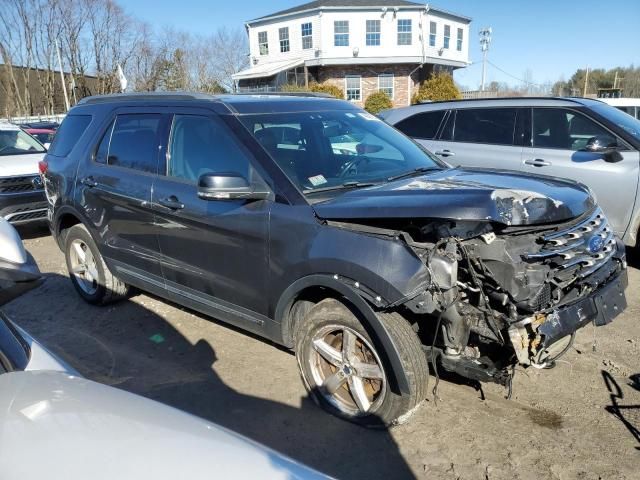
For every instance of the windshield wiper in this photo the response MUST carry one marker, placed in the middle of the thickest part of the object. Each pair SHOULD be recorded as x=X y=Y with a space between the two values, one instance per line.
x=411 y=173
x=342 y=186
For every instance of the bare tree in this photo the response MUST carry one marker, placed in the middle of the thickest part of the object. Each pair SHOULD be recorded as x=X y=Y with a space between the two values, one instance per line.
x=230 y=55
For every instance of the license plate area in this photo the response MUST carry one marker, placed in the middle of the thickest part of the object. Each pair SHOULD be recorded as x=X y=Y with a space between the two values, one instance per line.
x=611 y=301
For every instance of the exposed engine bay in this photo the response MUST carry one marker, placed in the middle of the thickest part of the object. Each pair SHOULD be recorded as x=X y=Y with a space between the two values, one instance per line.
x=498 y=295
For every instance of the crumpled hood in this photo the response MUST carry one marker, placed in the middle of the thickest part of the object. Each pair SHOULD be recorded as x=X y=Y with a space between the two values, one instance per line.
x=18 y=165
x=500 y=196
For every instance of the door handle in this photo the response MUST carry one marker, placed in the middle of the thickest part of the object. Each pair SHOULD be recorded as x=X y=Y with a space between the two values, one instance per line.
x=537 y=162
x=445 y=153
x=171 y=202
x=89 y=182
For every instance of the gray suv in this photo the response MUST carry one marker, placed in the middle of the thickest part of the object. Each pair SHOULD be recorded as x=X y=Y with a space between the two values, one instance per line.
x=577 y=138
x=316 y=225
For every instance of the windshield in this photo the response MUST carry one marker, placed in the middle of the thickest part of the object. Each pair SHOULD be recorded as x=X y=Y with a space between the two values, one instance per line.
x=321 y=150
x=620 y=118
x=17 y=142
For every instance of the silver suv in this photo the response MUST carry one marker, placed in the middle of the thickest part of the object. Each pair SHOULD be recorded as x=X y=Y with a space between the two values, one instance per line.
x=577 y=138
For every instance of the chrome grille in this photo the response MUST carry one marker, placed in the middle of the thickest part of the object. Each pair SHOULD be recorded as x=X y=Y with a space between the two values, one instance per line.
x=17 y=184
x=580 y=249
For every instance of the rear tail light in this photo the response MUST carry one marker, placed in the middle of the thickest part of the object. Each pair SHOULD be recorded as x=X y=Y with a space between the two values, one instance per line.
x=43 y=166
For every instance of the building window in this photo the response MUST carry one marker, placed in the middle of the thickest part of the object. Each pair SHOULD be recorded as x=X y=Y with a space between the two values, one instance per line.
x=404 y=32
x=447 y=36
x=433 y=30
x=341 y=33
x=352 y=87
x=459 y=45
x=307 y=36
x=284 y=39
x=385 y=84
x=373 y=33
x=263 y=43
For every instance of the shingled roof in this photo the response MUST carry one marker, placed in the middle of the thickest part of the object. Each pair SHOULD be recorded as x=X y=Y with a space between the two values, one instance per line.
x=351 y=3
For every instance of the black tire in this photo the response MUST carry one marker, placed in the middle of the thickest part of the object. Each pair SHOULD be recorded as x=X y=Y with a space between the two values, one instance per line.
x=390 y=408
x=108 y=288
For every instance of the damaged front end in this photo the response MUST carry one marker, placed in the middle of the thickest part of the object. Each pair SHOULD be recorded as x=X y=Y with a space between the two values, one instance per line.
x=499 y=295
x=517 y=295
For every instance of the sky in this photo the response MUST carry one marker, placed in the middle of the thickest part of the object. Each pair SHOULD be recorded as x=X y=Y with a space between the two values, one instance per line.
x=551 y=38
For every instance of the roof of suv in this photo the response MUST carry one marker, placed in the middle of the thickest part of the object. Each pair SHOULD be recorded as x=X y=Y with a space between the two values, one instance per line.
x=499 y=102
x=240 y=104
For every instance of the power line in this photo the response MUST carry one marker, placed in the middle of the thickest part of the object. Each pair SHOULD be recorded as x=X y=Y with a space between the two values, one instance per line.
x=513 y=76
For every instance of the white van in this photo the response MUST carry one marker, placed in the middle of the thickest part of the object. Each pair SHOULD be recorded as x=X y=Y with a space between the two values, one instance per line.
x=627 y=105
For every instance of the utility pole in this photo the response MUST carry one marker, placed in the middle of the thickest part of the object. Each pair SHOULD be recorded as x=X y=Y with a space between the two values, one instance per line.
x=485 y=40
x=64 y=85
x=586 y=82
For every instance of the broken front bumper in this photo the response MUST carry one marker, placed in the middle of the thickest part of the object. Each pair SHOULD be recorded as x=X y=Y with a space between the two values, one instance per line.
x=539 y=337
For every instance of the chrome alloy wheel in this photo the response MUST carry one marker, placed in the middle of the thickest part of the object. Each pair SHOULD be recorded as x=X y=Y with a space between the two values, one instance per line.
x=83 y=266
x=347 y=370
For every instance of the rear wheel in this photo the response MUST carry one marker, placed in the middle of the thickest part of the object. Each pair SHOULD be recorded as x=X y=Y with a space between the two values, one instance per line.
x=344 y=372
x=89 y=273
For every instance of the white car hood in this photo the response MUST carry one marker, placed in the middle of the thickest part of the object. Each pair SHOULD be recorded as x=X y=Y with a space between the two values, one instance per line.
x=16 y=165
x=55 y=425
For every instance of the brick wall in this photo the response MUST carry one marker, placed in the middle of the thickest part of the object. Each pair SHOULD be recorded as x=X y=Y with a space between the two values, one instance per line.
x=369 y=79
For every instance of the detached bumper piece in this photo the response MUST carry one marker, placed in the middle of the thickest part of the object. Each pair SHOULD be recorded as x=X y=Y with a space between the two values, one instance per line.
x=600 y=308
x=538 y=338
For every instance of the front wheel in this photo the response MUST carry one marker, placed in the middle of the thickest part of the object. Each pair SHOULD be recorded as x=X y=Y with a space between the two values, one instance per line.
x=344 y=373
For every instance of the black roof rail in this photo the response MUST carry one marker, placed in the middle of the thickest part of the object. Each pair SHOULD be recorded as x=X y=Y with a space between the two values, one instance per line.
x=490 y=99
x=144 y=96
x=288 y=94
x=115 y=97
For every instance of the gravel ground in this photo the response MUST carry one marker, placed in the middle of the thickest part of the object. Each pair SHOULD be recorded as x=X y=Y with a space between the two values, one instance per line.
x=561 y=423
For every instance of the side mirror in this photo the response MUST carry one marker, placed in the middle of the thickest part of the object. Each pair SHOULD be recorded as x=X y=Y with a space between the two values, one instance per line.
x=228 y=186
x=604 y=145
x=18 y=270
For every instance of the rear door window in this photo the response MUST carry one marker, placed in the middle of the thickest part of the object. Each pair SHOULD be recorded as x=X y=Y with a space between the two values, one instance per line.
x=72 y=128
x=422 y=125
x=134 y=142
x=494 y=126
x=564 y=129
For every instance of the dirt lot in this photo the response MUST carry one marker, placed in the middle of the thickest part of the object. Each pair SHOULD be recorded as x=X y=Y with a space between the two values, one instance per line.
x=561 y=423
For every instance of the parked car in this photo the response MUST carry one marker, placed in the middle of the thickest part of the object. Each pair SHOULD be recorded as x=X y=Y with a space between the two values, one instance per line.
x=576 y=138
x=627 y=105
x=48 y=411
x=45 y=124
x=367 y=265
x=22 y=198
x=43 y=135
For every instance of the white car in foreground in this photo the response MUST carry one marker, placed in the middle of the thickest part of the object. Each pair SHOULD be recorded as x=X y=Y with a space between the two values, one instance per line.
x=55 y=424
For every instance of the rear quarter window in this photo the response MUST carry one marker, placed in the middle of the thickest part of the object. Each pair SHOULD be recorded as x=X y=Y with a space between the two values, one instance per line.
x=421 y=125
x=494 y=126
x=67 y=136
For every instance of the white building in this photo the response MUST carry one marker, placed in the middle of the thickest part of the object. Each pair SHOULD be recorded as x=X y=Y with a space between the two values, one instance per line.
x=360 y=46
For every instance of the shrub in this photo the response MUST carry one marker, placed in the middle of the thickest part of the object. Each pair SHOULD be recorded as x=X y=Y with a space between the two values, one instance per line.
x=439 y=87
x=376 y=102
x=327 y=88
x=292 y=87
